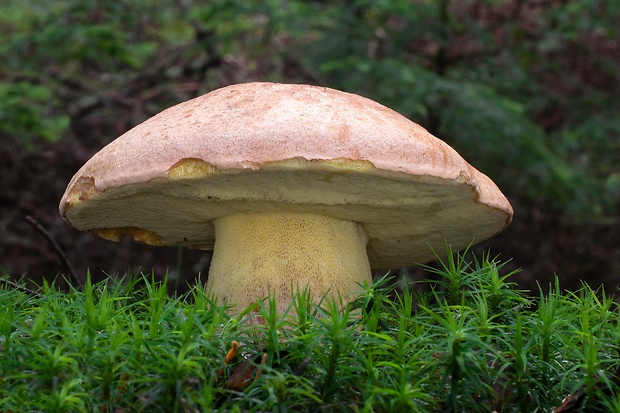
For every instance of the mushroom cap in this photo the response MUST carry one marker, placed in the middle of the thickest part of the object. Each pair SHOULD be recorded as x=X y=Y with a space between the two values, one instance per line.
x=258 y=147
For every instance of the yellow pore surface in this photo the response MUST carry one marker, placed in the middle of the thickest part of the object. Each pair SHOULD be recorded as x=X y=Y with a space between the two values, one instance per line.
x=257 y=254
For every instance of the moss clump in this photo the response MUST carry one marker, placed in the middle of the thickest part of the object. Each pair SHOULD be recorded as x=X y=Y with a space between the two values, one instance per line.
x=473 y=344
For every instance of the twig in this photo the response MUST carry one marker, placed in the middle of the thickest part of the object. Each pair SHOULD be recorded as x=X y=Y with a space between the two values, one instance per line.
x=63 y=258
x=19 y=287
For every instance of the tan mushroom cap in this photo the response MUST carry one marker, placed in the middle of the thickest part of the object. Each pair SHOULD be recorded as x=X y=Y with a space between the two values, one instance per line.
x=264 y=147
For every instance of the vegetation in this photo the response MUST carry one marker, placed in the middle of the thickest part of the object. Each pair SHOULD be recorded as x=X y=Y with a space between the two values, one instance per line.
x=475 y=73
x=471 y=344
x=525 y=89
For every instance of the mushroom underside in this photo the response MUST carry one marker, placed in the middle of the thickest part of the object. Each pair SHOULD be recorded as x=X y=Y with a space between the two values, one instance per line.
x=405 y=217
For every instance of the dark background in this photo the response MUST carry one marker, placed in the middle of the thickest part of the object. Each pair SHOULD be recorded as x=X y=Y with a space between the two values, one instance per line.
x=527 y=91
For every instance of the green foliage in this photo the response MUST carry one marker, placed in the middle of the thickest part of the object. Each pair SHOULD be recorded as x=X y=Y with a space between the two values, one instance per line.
x=26 y=110
x=472 y=343
x=525 y=93
x=484 y=100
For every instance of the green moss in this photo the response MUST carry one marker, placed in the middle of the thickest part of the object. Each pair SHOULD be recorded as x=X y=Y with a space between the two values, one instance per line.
x=473 y=343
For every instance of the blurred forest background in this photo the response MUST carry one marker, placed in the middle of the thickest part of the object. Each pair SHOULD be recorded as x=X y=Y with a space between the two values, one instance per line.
x=528 y=91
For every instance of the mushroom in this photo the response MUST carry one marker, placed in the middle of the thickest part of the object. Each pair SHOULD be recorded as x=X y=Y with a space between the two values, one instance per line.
x=292 y=186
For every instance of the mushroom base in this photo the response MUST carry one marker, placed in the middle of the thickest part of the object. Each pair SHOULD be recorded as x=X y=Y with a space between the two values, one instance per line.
x=257 y=254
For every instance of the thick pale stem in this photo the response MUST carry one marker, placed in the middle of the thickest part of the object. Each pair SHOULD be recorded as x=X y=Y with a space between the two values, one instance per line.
x=281 y=253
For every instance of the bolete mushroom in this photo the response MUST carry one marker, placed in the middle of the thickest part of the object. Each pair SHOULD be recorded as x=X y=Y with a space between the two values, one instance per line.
x=292 y=186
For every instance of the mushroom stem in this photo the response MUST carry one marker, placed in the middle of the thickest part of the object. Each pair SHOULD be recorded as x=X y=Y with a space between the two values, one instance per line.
x=257 y=254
